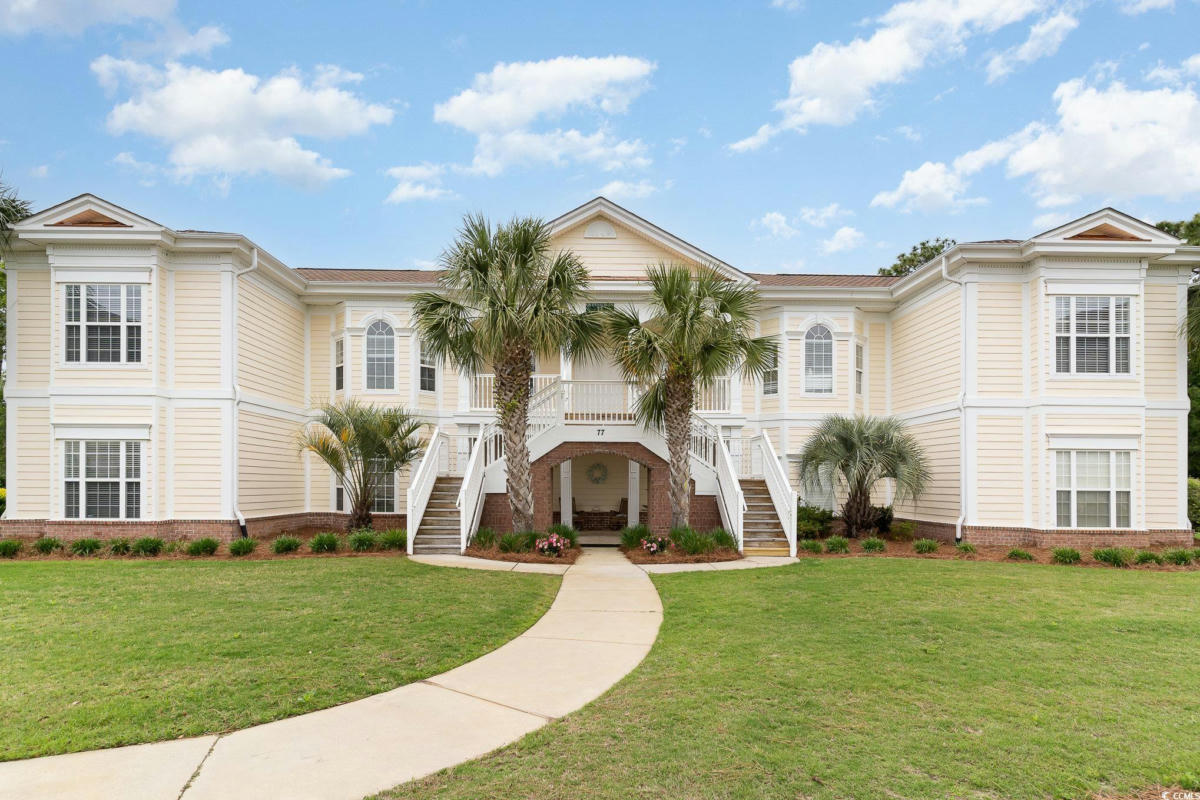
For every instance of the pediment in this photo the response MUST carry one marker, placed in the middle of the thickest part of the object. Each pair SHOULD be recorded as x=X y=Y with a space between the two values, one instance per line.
x=89 y=212
x=89 y=218
x=1107 y=227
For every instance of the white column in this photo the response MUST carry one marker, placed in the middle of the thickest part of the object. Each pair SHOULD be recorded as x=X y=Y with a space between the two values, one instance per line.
x=634 y=504
x=564 y=491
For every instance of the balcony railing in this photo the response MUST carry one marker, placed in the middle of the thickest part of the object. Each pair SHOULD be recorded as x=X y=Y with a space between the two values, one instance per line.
x=483 y=390
x=601 y=401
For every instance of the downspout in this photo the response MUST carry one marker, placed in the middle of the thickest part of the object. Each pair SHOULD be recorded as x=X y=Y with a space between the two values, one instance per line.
x=237 y=390
x=962 y=413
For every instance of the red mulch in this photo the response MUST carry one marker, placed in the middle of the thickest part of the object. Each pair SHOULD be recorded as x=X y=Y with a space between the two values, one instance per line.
x=494 y=554
x=673 y=556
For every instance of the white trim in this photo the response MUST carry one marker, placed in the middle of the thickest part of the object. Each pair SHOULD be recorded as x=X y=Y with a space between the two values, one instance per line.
x=101 y=275
x=1060 y=441
x=100 y=430
x=1085 y=286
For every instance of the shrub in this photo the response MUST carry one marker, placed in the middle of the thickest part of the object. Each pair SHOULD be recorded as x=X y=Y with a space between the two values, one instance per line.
x=531 y=538
x=655 y=543
x=903 y=531
x=1114 y=556
x=631 y=538
x=1147 y=557
x=926 y=546
x=513 y=543
x=9 y=548
x=47 y=545
x=363 y=541
x=807 y=529
x=324 y=543
x=147 y=546
x=723 y=539
x=485 y=538
x=1017 y=554
x=883 y=518
x=203 y=547
x=810 y=546
x=814 y=518
x=873 y=545
x=242 y=547
x=1193 y=501
x=285 y=544
x=85 y=547
x=1065 y=555
x=837 y=544
x=566 y=532
x=1180 y=558
x=965 y=549
x=171 y=547
x=692 y=542
x=120 y=547
x=552 y=545
x=394 y=539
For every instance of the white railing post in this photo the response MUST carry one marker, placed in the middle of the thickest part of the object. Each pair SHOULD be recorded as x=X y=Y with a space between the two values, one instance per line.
x=421 y=486
x=470 y=494
x=782 y=494
x=707 y=445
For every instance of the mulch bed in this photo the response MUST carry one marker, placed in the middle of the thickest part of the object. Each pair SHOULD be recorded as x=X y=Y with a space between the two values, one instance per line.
x=1041 y=555
x=494 y=554
x=673 y=556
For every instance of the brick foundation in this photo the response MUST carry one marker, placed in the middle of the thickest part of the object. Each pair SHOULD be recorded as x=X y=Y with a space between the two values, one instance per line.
x=185 y=529
x=1080 y=539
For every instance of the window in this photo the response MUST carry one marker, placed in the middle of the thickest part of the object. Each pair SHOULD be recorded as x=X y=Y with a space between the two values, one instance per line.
x=103 y=323
x=108 y=482
x=339 y=364
x=770 y=381
x=858 y=368
x=385 y=489
x=381 y=356
x=1092 y=335
x=818 y=360
x=1093 y=488
x=428 y=371
x=599 y=307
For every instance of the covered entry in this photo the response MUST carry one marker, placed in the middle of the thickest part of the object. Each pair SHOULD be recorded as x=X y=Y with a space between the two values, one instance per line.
x=598 y=494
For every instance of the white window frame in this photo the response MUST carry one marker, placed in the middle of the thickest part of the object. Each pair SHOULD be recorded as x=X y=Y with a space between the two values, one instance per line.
x=1072 y=336
x=339 y=364
x=770 y=379
x=382 y=481
x=82 y=325
x=426 y=364
x=859 y=358
x=366 y=379
x=1073 y=487
x=79 y=477
x=832 y=391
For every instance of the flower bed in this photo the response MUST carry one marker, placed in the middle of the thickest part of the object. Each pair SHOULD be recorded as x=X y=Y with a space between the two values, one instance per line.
x=682 y=546
x=558 y=545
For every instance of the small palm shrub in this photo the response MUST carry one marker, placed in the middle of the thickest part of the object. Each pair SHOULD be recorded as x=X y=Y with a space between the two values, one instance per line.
x=85 y=547
x=1193 y=501
x=1065 y=555
x=837 y=544
x=965 y=549
x=203 y=547
x=1180 y=558
x=631 y=537
x=926 y=546
x=285 y=544
x=1146 y=557
x=883 y=518
x=723 y=539
x=1114 y=556
x=47 y=545
x=810 y=546
x=120 y=547
x=692 y=542
x=147 y=546
x=1017 y=554
x=9 y=548
x=513 y=543
x=324 y=543
x=903 y=531
x=485 y=538
x=242 y=547
x=873 y=544
x=566 y=532
x=363 y=541
x=394 y=539
x=813 y=522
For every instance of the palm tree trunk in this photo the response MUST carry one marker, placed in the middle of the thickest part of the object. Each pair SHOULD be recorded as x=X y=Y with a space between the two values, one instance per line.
x=512 y=406
x=856 y=514
x=678 y=419
x=360 y=517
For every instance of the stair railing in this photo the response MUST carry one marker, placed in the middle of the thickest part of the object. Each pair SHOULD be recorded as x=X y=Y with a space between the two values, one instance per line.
x=488 y=448
x=706 y=445
x=782 y=495
x=421 y=485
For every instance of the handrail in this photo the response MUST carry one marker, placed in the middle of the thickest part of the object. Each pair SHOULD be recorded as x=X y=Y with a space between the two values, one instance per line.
x=470 y=494
x=780 y=488
x=706 y=443
x=421 y=486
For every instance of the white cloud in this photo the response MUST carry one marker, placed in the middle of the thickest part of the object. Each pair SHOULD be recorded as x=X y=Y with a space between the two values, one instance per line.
x=776 y=224
x=629 y=189
x=1161 y=73
x=1142 y=6
x=418 y=182
x=929 y=187
x=833 y=83
x=502 y=107
x=147 y=173
x=1045 y=37
x=820 y=217
x=788 y=5
x=844 y=238
x=226 y=123
x=40 y=171
x=72 y=17
x=909 y=132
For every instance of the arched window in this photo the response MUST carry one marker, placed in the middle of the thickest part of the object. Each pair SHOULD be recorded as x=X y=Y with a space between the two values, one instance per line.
x=818 y=360
x=381 y=356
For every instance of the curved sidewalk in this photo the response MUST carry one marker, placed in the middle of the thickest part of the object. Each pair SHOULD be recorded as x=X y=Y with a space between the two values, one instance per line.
x=601 y=625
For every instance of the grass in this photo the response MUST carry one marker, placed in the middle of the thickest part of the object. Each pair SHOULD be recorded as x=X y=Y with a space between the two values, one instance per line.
x=106 y=653
x=876 y=678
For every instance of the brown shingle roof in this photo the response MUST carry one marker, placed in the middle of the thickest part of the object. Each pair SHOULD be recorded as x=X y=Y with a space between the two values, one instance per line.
x=369 y=275
x=792 y=279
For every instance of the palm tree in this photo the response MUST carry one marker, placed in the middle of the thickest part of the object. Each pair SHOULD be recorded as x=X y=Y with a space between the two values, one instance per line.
x=858 y=452
x=362 y=443
x=12 y=210
x=698 y=328
x=507 y=298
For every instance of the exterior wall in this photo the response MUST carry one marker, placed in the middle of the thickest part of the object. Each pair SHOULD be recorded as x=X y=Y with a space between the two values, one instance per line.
x=270 y=331
x=927 y=351
x=270 y=466
x=626 y=256
x=941 y=501
x=31 y=324
x=198 y=453
x=1000 y=453
x=196 y=330
x=1001 y=342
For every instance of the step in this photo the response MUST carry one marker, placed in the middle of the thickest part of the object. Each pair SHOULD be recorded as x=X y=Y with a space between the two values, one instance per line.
x=437 y=525
x=426 y=538
x=765 y=551
x=436 y=551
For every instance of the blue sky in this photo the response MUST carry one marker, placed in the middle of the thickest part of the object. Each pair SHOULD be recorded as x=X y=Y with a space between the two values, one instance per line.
x=779 y=135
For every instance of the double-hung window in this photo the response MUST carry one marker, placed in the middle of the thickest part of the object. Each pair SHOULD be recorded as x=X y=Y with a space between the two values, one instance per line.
x=339 y=364
x=770 y=381
x=1092 y=335
x=858 y=369
x=385 y=489
x=1093 y=488
x=102 y=480
x=103 y=323
x=381 y=356
x=818 y=360
x=428 y=370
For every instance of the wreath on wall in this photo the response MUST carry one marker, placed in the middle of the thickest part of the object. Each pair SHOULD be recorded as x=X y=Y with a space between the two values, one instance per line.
x=597 y=473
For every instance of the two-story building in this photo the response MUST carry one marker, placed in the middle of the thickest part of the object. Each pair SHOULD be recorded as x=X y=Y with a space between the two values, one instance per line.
x=157 y=380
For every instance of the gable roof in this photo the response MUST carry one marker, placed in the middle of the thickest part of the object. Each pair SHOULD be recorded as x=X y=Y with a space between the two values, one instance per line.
x=88 y=211
x=812 y=279
x=1108 y=225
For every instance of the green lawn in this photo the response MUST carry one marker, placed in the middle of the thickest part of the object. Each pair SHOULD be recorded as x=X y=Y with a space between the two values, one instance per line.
x=883 y=678
x=104 y=653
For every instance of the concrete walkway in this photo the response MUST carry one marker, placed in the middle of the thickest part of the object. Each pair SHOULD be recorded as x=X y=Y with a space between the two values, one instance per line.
x=600 y=626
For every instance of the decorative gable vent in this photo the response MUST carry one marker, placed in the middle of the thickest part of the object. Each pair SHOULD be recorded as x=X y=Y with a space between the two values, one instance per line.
x=1106 y=232
x=88 y=219
x=600 y=229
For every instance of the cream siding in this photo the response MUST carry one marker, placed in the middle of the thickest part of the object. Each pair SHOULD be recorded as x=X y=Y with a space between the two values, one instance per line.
x=29 y=481
x=197 y=330
x=270 y=467
x=941 y=501
x=626 y=256
x=1161 y=345
x=1163 y=481
x=270 y=344
x=1000 y=479
x=32 y=322
x=320 y=348
x=927 y=352
x=198 y=461
x=1000 y=344
x=876 y=368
